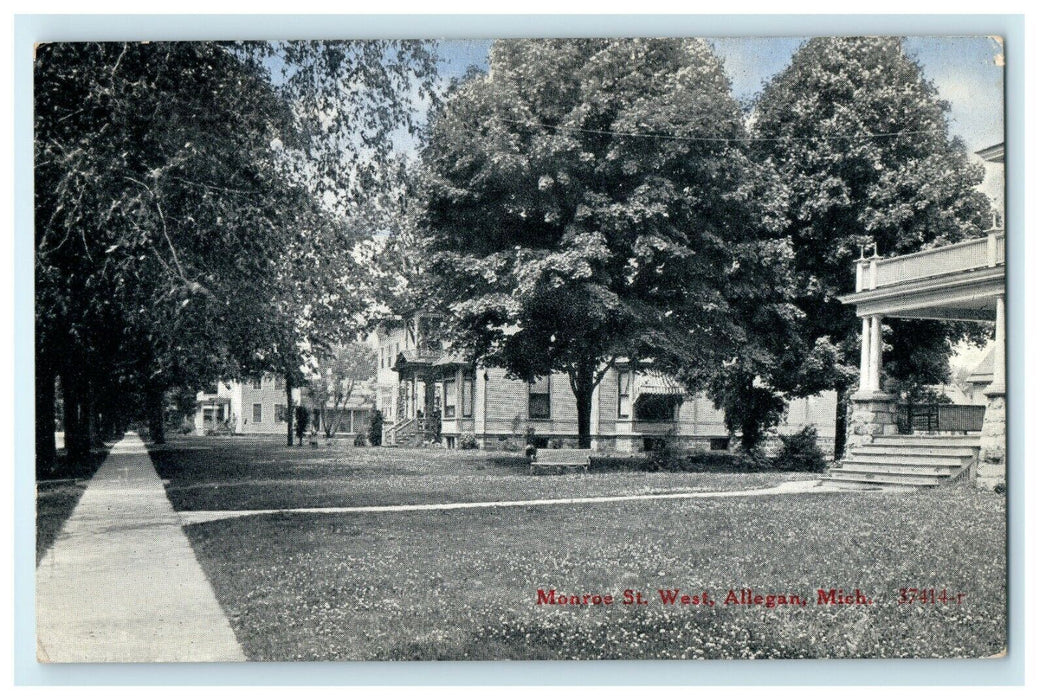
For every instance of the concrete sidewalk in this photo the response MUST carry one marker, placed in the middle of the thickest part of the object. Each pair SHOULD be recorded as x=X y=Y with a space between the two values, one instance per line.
x=121 y=582
x=194 y=517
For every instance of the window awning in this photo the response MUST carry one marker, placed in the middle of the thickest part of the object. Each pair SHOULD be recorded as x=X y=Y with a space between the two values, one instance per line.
x=658 y=385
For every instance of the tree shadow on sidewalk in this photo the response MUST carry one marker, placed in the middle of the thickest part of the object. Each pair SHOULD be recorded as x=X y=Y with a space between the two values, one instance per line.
x=57 y=495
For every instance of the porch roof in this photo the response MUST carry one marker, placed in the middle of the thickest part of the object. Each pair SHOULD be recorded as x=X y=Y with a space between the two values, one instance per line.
x=451 y=359
x=416 y=358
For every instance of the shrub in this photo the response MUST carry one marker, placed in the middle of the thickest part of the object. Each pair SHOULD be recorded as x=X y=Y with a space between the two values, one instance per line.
x=360 y=440
x=755 y=461
x=666 y=454
x=618 y=463
x=800 y=453
x=374 y=433
x=468 y=442
x=508 y=444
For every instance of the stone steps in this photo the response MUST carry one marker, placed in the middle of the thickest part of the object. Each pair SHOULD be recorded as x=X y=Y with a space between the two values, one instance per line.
x=914 y=461
x=837 y=476
x=925 y=441
x=934 y=450
x=909 y=459
x=861 y=467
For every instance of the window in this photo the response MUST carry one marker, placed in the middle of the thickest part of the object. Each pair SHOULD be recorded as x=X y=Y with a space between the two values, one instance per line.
x=624 y=391
x=539 y=404
x=256 y=383
x=719 y=444
x=466 y=397
x=655 y=407
x=280 y=411
x=450 y=398
x=257 y=413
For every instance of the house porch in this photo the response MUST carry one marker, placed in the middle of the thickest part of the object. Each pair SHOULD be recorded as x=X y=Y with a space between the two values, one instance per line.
x=965 y=281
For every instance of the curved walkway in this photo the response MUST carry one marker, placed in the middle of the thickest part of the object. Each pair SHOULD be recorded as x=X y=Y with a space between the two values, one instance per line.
x=192 y=517
x=121 y=582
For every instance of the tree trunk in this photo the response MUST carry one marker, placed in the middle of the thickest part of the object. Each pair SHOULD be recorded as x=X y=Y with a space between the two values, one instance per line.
x=751 y=436
x=45 y=415
x=582 y=385
x=77 y=440
x=93 y=423
x=290 y=408
x=842 y=405
x=155 y=410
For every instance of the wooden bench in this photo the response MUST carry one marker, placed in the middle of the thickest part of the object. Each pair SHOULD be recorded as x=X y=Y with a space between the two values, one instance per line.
x=547 y=461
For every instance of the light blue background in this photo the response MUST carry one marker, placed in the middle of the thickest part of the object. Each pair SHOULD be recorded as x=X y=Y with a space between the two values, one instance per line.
x=33 y=28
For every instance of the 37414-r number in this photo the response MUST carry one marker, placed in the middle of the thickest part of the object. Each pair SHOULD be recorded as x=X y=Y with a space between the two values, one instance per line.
x=929 y=596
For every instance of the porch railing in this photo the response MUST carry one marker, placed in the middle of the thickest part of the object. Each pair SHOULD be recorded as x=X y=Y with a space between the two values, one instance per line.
x=876 y=272
x=429 y=427
x=399 y=432
x=939 y=418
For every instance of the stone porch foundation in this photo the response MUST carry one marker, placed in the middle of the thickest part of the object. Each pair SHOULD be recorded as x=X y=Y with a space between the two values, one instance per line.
x=991 y=467
x=870 y=416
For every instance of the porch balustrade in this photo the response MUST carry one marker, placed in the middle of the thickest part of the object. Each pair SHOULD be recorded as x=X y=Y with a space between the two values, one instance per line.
x=939 y=418
x=876 y=272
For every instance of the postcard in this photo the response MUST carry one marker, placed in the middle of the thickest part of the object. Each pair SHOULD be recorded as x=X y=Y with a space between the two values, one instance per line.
x=602 y=348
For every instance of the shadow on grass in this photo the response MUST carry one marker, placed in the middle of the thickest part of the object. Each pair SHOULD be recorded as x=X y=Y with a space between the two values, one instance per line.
x=58 y=494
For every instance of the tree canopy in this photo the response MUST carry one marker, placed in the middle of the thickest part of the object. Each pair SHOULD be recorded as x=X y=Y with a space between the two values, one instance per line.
x=591 y=200
x=859 y=138
x=182 y=191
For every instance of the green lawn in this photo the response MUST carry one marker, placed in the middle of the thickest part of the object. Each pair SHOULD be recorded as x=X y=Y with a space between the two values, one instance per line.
x=463 y=584
x=258 y=474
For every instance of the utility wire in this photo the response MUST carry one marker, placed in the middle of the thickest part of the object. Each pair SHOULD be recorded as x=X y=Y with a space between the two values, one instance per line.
x=640 y=134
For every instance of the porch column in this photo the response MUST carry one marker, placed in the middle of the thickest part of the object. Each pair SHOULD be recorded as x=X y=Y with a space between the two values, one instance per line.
x=871 y=354
x=866 y=341
x=872 y=413
x=991 y=466
x=998 y=385
x=875 y=354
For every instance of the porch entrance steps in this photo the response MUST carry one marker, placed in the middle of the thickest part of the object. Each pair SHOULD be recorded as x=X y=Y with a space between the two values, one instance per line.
x=404 y=433
x=913 y=461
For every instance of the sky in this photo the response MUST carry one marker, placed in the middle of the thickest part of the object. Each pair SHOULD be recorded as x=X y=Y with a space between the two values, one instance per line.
x=966 y=70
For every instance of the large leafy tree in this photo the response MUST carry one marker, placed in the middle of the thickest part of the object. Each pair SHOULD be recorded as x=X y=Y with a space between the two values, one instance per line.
x=859 y=138
x=590 y=200
x=178 y=190
x=156 y=223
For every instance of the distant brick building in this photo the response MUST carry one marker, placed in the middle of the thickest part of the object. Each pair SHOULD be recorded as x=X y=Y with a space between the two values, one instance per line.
x=427 y=393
